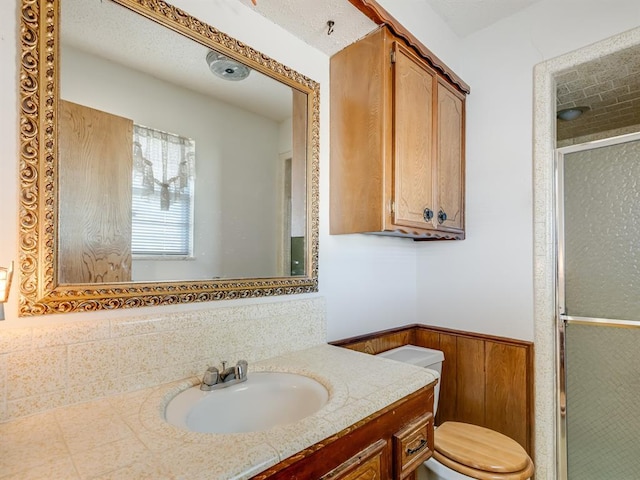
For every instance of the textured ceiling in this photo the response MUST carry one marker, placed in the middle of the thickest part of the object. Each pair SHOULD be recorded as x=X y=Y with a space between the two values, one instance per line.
x=468 y=16
x=609 y=86
x=307 y=20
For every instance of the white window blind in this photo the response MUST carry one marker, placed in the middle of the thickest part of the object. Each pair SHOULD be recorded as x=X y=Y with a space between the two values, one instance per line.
x=163 y=192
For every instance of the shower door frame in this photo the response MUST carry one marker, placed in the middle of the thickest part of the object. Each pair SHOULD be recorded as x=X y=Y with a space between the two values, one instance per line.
x=562 y=319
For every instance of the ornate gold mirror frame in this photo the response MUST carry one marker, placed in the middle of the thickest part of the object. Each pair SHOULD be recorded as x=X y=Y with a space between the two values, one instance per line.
x=40 y=292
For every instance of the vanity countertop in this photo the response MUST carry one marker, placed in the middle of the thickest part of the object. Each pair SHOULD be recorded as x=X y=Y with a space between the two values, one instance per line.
x=126 y=436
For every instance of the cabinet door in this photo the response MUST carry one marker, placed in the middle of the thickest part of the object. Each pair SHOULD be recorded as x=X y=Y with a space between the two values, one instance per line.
x=94 y=195
x=413 y=93
x=369 y=464
x=450 y=155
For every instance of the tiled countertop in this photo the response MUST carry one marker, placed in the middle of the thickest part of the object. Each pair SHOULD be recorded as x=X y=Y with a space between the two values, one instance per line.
x=126 y=437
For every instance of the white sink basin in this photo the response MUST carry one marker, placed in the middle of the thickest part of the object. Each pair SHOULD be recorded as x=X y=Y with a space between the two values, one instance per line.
x=265 y=400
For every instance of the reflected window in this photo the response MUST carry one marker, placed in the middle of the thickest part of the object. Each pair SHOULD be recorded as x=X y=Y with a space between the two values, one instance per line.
x=163 y=192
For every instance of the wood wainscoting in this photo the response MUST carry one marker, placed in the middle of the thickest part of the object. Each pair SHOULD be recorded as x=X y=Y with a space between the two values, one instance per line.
x=486 y=380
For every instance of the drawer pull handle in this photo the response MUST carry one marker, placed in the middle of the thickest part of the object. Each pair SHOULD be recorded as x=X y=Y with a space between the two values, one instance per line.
x=421 y=445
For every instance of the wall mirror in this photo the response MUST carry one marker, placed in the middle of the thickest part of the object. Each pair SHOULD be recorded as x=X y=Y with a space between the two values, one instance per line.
x=162 y=161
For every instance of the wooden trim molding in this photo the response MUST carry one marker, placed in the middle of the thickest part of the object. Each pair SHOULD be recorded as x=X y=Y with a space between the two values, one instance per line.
x=380 y=16
x=486 y=380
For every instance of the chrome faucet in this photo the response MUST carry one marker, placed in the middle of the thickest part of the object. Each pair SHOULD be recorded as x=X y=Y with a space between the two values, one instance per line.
x=214 y=379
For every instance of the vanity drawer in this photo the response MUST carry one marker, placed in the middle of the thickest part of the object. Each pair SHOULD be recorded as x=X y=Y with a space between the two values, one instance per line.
x=369 y=464
x=412 y=446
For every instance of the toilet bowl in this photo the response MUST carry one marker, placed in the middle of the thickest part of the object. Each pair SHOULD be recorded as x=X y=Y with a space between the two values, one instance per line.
x=463 y=451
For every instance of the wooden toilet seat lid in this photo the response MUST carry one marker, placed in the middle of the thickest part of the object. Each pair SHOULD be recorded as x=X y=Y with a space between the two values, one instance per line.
x=481 y=449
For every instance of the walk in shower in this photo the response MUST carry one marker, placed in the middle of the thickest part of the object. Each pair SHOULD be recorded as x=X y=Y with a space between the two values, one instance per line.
x=598 y=233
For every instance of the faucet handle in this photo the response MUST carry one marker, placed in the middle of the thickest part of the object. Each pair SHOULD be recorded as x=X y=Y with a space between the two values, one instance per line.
x=241 y=369
x=211 y=376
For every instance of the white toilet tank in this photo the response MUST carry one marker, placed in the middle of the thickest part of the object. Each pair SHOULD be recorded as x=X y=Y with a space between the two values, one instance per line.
x=422 y=357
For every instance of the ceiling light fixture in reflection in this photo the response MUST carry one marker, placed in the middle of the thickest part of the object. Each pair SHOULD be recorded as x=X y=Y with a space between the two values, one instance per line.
x=226 y=68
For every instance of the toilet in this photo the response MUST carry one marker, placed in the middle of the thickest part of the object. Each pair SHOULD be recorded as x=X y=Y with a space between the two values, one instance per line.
x=463 y=451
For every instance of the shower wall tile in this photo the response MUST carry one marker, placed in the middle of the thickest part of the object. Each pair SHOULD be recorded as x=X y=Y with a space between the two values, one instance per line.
x=45 y=367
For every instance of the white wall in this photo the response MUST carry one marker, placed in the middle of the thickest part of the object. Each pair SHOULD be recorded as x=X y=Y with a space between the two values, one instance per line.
x=484 y=283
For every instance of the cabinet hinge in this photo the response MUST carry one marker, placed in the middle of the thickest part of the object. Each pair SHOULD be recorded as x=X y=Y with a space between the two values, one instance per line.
x=393 y=56
x=393 y=207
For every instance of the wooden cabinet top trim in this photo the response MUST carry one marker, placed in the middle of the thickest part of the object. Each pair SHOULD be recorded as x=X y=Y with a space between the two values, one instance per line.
x=380 y=16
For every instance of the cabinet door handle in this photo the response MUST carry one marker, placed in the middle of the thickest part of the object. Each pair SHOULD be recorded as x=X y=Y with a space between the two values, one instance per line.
x=427 y=214
x=442 y=217
x=421 y=445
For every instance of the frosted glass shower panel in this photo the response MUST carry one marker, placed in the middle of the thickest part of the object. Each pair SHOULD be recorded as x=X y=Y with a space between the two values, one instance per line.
x=603 y=386
x=601 y=190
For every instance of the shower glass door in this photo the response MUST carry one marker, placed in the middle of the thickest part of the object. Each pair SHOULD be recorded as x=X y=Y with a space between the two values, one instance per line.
x=598 y=192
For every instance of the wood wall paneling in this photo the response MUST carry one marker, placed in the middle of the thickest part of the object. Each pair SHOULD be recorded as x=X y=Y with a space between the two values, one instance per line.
x=448 y=403
x=470 y=380
x=486 y=380
x=506 y=389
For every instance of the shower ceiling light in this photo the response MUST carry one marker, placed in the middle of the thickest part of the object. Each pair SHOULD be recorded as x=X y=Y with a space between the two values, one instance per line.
x=569 y=114
x=227 y=68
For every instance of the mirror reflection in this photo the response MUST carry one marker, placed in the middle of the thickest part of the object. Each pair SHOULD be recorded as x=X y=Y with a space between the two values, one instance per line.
x=154 y=168
x=176 y=162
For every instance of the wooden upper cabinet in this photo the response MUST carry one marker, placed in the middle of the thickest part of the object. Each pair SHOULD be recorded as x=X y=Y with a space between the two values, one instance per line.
x=450 y=157
x=397 y=143
x=413 y=139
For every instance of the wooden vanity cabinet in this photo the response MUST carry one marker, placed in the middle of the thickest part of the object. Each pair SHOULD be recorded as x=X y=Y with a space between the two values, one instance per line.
x=397 y=143
x=389 y=444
